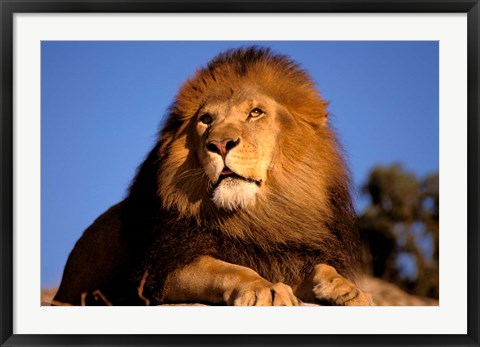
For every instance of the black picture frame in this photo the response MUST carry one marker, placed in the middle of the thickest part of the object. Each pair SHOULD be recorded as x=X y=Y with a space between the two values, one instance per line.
x=9 y=7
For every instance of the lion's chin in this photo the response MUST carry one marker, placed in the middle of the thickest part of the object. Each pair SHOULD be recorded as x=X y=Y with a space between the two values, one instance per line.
x=233 y=193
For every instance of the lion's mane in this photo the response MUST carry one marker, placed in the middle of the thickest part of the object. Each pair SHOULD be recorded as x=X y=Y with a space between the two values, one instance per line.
x=305 y=217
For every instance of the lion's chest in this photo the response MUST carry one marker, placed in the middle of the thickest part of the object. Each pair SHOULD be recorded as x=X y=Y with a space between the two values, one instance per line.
x=276 y=264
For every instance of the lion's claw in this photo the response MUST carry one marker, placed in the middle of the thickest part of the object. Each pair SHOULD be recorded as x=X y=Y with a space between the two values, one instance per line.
x=263 y=293
x=331 y=287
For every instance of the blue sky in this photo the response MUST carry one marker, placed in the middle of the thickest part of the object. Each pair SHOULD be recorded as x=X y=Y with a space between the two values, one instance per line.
x=103 y=104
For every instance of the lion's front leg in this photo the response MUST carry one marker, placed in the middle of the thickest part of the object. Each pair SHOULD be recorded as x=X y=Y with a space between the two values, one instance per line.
x=213 y=281
x=325 y=284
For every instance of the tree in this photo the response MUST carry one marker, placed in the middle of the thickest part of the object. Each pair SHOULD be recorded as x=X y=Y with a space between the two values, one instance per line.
x=400 y=227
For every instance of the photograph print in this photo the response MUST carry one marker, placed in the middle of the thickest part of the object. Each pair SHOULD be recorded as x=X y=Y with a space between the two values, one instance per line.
x=246 y=173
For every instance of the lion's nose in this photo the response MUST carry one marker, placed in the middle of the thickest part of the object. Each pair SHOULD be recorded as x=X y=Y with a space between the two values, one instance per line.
x=222 y=147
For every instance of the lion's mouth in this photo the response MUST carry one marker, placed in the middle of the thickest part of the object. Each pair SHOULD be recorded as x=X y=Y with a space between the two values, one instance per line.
x=229 y=175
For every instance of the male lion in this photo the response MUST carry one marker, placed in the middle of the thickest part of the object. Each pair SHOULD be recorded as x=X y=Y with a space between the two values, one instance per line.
x=244 y=200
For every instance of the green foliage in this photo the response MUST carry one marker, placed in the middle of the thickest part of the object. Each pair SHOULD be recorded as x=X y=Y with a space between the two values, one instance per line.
x=400 y=227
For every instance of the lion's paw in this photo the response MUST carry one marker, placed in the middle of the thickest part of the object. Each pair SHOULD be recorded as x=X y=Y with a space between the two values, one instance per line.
x=263 y=293
x=331 y=287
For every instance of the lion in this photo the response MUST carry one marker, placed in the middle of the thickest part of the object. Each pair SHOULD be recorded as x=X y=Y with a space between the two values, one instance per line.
x=243 y=200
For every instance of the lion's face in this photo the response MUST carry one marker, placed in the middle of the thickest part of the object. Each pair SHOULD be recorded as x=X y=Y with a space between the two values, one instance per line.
x=235 y=139
x=248 y=134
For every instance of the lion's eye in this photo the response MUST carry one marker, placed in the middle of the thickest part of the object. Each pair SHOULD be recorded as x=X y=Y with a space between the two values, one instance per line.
x=256 y=112
x=206 y=119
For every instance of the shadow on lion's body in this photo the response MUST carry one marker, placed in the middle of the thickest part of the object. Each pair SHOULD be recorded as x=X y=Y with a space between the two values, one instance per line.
x=304 y=215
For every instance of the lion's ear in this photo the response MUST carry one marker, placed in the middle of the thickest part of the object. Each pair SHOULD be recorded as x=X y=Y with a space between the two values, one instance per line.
x=320 y=121
x=323 y=119
x=173 y=128
x=318 y=112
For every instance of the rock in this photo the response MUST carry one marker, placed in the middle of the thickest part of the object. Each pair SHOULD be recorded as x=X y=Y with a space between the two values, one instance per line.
x=388 y=294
